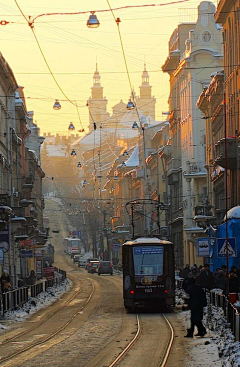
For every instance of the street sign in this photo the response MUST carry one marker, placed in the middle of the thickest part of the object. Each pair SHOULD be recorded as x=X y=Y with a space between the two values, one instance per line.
x=203 y=247
x=26 y=253
x=223 y=247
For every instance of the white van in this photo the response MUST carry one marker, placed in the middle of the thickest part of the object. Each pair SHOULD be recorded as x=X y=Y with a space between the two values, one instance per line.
x=82 y=262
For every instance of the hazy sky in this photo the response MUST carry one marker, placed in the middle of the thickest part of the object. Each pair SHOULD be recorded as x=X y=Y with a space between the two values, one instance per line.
x=72 y=49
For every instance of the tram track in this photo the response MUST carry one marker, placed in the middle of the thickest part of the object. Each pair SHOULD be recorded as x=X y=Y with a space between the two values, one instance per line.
x=43 y=320
x=12 y=356
x=139 y=333
x=163 y=358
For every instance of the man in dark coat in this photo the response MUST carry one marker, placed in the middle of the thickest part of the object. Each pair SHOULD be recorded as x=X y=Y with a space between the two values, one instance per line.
x=197 y=300
x=5 y=281
x=206 y=278
x=185 y=271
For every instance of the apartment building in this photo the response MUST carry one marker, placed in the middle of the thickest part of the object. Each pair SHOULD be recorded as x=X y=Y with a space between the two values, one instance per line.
x=195 y=52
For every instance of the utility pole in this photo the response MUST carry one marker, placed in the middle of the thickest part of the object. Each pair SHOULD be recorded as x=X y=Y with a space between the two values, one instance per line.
x=226 y=188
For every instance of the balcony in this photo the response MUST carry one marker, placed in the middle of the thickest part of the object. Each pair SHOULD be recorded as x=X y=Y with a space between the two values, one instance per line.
x=31 y=221
x=204 y=216
x=173 y=169
x=20 y=234
x=18 y=211
x=28 y=182
x=5 y=200
x=195 y=170
x=229 y=160
x=5 y=214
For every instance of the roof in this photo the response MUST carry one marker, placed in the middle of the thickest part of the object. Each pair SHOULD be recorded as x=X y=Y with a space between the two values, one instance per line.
x=101 y=135
x=133 y=160
x=147 y=241
x=233 y=213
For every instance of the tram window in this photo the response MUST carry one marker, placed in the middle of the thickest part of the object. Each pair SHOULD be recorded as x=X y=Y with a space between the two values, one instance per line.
x=148 y=260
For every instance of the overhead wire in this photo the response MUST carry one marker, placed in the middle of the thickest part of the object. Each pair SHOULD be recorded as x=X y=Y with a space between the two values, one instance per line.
x=46 y=62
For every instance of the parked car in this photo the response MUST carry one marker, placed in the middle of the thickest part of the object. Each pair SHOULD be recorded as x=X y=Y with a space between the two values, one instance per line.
x=89 y=260
x=105 y=267
x=82 y=262
x=76 y=258
x=93 y=267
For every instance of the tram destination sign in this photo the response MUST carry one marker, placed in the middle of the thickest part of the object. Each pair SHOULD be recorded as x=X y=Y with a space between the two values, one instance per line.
x=147 y=250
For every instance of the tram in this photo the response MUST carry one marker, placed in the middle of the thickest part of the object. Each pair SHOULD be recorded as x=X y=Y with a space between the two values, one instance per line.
x=148 y=273
x=72 y=245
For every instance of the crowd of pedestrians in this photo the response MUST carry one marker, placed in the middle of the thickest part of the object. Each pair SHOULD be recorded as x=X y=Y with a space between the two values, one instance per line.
x=197 y=279
x=209 y=280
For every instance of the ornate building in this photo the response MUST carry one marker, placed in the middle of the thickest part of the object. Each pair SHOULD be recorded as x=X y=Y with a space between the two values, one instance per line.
x=195 y=51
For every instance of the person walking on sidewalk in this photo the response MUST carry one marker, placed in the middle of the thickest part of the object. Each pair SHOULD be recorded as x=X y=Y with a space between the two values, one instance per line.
x=197 y=301
x=5 y=281
x=206 y=278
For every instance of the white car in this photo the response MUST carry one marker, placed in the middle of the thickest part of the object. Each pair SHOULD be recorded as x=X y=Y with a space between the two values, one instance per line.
x=82 y=262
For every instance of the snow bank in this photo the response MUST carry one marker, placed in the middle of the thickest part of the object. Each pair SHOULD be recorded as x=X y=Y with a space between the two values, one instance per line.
x=220 y=347
x=35 y=304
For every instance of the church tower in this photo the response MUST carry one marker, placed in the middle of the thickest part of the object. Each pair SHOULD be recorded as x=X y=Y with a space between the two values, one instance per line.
x=97 y=104
x=146 y=103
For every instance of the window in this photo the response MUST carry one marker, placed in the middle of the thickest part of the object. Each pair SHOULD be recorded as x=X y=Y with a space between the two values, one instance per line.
x=148 y=260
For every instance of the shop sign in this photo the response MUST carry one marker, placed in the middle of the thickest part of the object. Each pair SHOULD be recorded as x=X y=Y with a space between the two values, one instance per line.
x=26 y=253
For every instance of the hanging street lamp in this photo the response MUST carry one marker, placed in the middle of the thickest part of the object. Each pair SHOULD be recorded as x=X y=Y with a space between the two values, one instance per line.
x=93 y=21
x=57 y=105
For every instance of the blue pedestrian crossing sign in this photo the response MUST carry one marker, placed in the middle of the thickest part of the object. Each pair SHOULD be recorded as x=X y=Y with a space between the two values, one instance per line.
x=227 y=246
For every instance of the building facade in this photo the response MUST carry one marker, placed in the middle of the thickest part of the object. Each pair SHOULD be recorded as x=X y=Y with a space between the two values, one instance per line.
x=195 y=51
x=21 y=201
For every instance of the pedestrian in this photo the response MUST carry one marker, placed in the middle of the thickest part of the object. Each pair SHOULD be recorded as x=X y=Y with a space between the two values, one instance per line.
x=31 y=278
x=233 y=283
x=221 y=280
x=185 y=271
x=205 y=278
x=5 y=281
x=197 y=301
x=196 y=267
x=215 y=275
x=193 y=273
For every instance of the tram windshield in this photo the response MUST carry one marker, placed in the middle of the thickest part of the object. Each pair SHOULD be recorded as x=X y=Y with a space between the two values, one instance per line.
x=148 y=260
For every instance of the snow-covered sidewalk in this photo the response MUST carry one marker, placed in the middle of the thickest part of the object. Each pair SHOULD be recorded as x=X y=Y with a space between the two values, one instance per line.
x=218 y=348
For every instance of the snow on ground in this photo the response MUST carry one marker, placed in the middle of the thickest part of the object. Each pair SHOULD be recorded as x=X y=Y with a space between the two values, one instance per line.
x=35 y=304
x=218 y=348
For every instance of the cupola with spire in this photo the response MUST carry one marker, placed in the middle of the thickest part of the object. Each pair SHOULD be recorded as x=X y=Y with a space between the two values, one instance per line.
x=97 y=103
x=145 y=88
x=146 y=102
x=97 y=89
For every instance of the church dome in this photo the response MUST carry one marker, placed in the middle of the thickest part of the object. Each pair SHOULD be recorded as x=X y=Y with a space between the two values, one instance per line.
x=119 y=106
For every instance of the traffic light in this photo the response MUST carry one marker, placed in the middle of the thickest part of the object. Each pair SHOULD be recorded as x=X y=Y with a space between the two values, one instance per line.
x=115 y=231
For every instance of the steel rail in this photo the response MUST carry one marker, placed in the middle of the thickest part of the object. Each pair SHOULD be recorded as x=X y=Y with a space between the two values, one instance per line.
x=138 y=332
x=129 y=344
x=169 y=345
x=52 y=335
x=6 y=341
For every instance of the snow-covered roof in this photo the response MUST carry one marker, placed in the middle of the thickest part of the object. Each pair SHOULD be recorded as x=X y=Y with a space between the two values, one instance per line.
x=233 y=213
x=98 y=136
x=133 y=160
